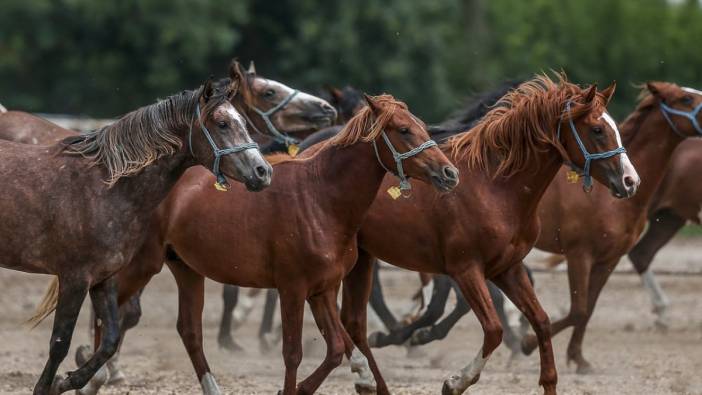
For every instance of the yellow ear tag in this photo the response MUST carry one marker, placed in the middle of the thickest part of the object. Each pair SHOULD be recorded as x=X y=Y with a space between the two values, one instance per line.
x=293 y=149
x=572 y=176
x=221 y=187
x=394 y=192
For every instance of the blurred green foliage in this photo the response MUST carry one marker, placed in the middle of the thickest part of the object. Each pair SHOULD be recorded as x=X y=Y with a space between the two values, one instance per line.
x=103 y=58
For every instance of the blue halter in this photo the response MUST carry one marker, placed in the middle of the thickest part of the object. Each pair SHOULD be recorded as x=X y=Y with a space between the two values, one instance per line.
x=218 y=153
x=587 y=179
x=273 y=132
x=398 y=157
x=691 y=115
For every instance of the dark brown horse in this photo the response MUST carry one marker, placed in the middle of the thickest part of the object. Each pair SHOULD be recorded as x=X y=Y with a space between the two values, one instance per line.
x=594 y=231
x=79 y=209
x=303 y=244
x=488 y=224
x=302 y=114
x=677 y=201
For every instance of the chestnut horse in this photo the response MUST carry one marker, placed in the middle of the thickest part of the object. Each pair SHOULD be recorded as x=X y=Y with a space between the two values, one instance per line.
x=303 y=244
x=593 y=243
x=256 y=94
x=677 y=200
x=488 y=224
x=100 y=190
x=462 y=120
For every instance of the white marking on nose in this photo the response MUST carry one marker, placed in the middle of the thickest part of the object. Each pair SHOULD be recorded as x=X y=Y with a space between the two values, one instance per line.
x=691 y=90
x=628 y=169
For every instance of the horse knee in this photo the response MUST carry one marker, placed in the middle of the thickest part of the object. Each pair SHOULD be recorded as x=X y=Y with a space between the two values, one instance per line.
x=131 y=316
x=542 y=325
x=292 y=358
x=189 y=337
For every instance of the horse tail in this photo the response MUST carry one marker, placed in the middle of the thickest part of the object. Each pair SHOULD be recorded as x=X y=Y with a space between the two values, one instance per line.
x=2 y=109
x=47 y=305
x=553 y=260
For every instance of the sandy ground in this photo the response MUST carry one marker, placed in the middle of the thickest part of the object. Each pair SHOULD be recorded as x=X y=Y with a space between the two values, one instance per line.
x=629 y=355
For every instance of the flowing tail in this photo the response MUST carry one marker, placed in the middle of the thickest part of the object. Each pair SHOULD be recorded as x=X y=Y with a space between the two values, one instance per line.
x=2 y=109
x=47 y=305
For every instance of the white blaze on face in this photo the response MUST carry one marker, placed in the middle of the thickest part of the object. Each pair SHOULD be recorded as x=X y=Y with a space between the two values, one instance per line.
x=627 y=166
x=691 y=90
x=284 y=91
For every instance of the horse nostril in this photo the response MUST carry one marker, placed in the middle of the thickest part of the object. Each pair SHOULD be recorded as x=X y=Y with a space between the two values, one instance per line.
x=261 y=171
x=629 y=181
x=450 y=173
x=328 y=108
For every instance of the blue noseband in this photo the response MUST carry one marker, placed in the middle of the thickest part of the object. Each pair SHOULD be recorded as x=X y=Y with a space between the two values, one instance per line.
x=398 y=157
x=691 y=115
x=585 y=171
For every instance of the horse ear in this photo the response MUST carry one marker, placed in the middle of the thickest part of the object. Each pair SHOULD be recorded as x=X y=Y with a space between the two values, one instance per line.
x=590 y=93
x=252 y=68
x=371 y=104
x=655 y=88
x=609 y=92
x=336 y=94
x=207 y=90
x=234 y=76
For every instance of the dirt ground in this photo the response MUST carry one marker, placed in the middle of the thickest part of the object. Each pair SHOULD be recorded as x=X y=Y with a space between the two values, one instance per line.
x=629 y=355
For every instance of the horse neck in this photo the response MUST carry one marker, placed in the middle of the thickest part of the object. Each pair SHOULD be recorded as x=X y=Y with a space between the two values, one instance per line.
x=348 y=178
x=522 y=190
x=150 y=186
x=650 y=150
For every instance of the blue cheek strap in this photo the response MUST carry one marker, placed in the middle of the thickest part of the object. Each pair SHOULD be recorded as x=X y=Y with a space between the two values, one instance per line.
x=398 y=158
x=585 y=171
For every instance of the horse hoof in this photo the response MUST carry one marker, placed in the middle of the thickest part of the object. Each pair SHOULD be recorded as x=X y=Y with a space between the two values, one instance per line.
x=584 y=368
x=364 y=389
x=420 y=337
x=83 y=354
x=374 y=339
x=56 y=385
x=116 y=379
x=228 y=344
x=447 y=389
x=661 y=326
x=529 y=344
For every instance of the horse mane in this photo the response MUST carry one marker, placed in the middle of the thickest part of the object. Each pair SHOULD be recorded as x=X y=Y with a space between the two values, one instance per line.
x=142 y=136
x=519 y=125
x=646 y=102
x=366 y=126
x=474 y=108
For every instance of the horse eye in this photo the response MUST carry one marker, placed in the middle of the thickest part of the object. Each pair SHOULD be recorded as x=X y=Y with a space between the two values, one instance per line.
x=597 y=130
x=269 y=93
x=687 y=99
x=222 y=124
x=404 y=130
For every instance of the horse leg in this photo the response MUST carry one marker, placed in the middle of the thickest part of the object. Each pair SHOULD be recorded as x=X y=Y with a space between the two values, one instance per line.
x=377 y=300
x=292 y=309
x=662 y=226
x=579 y=268
x=70 y=300
x=356 y=291
x=398 y=336
x=474 y=288
x=230 y=297
x=517 y=286
x=130 y=315
x=245 y=304
x=440 y=331
x=104 y=299
x=598 y=278
x=191 y=300
x=326 y=316
x=265 y=336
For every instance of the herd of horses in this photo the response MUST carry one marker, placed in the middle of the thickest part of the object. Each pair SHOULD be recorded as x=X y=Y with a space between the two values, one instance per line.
x=340 y=187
